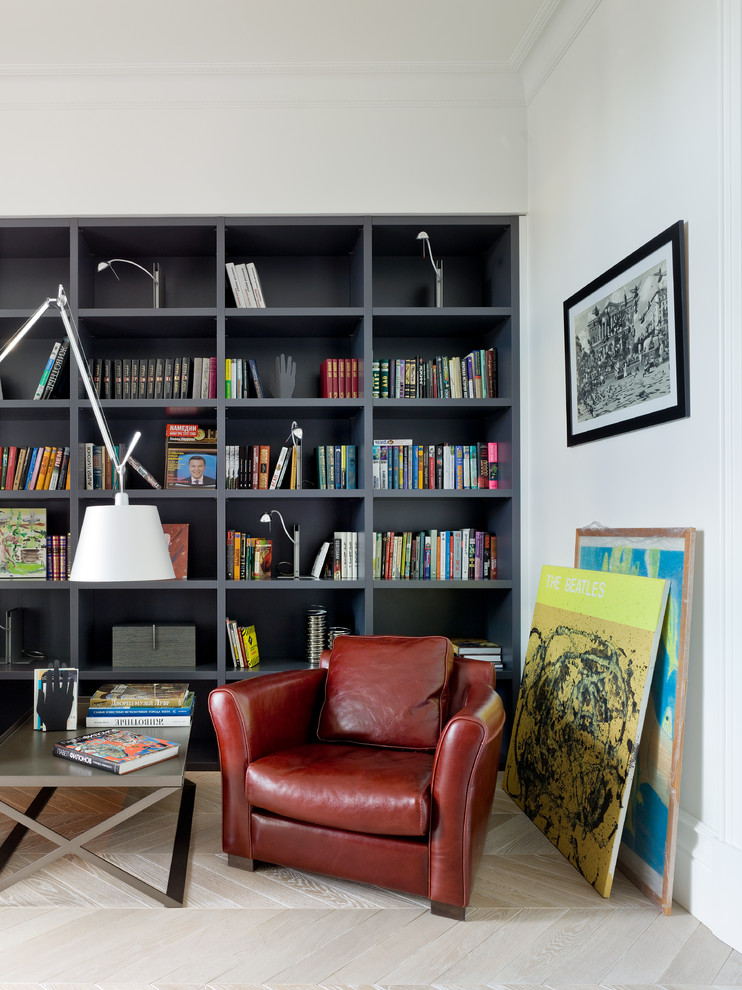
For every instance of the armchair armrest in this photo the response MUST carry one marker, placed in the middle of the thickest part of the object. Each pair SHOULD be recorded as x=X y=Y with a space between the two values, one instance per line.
x=252 y=718
x=463 y=786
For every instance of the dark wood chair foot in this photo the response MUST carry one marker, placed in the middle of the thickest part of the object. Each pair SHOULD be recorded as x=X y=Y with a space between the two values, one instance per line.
x=241 y=863
x=447 y=910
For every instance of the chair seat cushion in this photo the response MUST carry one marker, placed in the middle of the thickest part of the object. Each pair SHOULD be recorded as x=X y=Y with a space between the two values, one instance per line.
x=356 y=788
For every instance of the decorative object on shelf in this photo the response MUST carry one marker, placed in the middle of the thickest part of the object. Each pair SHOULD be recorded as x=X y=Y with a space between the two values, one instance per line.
x=334 y=631
x=571 y=758
x=316 y=633
x=119 y=542
x=318 y=566
x=626 y=360
x=283 y=382
x=438 y=269
x=55 y=698
x=266 y=518
x=154 y=644
x=647 y=850
x=157 y=293
x=13 y=630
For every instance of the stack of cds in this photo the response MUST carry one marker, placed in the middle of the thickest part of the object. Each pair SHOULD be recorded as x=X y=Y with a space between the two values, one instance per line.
x=316 y=633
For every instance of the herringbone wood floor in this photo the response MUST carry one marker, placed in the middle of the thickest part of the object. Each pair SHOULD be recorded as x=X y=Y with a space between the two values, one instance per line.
x=533 y=922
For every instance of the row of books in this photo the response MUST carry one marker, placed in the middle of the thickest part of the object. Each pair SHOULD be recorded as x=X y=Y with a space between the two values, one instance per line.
x=339 y=378
x=344 y=555
x=249 y=558
x=473 y=376
x=435 y=555
x=243 y=645
x=402 y=464
x=242 y=379
x=58 y=560
x=337 y=465
x=141 y=704
x=34 y=468
x=96 y=470
x=245 y=283
x=55 y=372
x=154 y=377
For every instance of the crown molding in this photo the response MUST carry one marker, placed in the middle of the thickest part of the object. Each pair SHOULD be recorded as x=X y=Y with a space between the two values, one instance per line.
x=566 y=18
x=275 y=86
x=180 y=69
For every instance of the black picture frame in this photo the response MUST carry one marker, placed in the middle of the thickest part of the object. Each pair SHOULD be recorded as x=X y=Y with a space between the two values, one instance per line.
x=626 y=359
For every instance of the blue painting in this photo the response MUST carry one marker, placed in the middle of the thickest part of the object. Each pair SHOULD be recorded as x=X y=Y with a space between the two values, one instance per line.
x=647 y=852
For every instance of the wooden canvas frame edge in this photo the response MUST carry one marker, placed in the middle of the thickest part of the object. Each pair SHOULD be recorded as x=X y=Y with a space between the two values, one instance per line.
x=688 y=534
x=674 y=235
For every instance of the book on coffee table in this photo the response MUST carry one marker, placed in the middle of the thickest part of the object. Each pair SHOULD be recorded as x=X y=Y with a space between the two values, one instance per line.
x=115 y=750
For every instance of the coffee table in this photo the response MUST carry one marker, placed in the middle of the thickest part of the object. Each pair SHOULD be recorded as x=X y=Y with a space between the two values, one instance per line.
x=26 y=761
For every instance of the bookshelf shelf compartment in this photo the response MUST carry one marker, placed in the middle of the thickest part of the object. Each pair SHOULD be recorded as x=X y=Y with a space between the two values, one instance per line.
x=355 y=288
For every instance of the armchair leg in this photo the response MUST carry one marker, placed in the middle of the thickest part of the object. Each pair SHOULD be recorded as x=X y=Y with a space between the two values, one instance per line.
x=241 y=862
x=447 y=910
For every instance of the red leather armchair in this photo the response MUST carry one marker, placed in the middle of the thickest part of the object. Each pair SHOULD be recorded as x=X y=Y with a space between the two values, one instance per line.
x=378 y=766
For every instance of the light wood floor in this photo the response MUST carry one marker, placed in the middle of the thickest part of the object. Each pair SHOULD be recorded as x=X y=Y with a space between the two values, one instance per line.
x=533 y=922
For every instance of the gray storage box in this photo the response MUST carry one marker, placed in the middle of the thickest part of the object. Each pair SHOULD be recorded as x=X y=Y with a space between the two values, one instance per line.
x=154 y=645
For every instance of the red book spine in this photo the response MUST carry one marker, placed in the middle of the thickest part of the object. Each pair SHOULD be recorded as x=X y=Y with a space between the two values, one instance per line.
x=492 y=464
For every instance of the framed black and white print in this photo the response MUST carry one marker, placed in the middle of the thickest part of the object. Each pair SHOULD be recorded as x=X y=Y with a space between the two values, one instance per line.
x=625 y=348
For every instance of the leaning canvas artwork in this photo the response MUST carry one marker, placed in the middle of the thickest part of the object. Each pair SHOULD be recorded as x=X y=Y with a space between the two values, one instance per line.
x=583 y=697
x=647 y=852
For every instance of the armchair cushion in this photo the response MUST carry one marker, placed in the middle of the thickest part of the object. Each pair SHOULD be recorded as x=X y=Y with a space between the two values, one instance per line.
x=389 y=691
x=354 y=788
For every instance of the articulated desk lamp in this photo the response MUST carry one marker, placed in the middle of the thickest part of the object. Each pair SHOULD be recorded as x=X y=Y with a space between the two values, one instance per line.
x=154 y=275
x=295 y=436
x=119 y=542
x=438 y=269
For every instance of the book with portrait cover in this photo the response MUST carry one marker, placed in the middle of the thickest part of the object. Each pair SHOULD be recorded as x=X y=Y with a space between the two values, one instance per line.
x=116 y=750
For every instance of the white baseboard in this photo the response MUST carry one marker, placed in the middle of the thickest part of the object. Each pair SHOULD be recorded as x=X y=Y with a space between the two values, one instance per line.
x=708 y=879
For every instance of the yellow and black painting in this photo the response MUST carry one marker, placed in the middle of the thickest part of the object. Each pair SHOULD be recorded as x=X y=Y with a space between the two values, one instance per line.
x=582 y=700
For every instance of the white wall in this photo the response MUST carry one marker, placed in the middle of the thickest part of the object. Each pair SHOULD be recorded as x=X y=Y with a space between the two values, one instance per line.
x=237 y=106
x=624 y=139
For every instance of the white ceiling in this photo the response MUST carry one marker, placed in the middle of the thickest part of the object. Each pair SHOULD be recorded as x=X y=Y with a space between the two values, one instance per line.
x=138 y=32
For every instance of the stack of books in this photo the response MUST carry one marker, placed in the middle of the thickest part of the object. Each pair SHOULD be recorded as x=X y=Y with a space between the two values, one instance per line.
x=480 y=649
x=117 y=705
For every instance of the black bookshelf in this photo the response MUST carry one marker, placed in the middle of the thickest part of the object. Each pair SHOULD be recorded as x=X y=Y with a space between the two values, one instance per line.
x=351 y=288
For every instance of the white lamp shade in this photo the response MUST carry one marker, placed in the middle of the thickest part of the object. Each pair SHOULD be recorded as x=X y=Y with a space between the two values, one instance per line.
x=122 y=542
